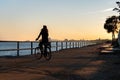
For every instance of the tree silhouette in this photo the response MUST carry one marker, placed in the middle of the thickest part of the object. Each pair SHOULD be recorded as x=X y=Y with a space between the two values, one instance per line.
x=111 y=25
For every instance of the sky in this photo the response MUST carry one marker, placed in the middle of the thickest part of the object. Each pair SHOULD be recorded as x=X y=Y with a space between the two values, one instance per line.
x=22 y=20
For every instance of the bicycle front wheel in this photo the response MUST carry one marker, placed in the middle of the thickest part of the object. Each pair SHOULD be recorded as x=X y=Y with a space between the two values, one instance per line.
x=38 y=53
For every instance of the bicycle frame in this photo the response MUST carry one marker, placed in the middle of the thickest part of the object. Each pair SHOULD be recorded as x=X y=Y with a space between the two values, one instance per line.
x=44 y=50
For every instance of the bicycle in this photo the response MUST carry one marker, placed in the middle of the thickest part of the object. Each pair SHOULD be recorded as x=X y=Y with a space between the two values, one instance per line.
x=44 y=51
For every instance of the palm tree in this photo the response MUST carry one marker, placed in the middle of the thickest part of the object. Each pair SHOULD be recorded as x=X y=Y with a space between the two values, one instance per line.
x=111 y=25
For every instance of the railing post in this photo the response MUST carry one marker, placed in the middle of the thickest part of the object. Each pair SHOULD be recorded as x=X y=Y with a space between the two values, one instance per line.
x=73 y=44
x=70 y=45
x=17 y=48
x=31 y=48
x=79 y=44
x=56 y=46
x=82 y=43
x=85 y=43
x=61 y=45
x=66 y=44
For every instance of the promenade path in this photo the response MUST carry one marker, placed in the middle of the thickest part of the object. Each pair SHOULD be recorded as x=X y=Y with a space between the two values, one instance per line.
x=71 y=64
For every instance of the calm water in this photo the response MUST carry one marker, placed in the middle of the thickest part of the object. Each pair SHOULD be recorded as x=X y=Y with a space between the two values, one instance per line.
x=22 y=45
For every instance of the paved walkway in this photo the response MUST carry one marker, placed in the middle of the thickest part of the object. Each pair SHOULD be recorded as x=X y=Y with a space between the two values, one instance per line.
x=72 y=64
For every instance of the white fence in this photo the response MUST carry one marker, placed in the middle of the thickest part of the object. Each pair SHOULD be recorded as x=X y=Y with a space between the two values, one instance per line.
x=31 y=45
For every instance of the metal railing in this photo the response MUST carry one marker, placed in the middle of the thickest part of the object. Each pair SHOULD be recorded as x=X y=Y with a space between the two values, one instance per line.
x=55 y=45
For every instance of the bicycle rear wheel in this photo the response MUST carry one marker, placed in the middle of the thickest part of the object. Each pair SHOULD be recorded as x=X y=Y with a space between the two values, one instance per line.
x=47 y=54
x=38 y=53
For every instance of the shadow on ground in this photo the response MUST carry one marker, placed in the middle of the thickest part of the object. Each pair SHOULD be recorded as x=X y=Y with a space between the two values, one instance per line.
x=74 y=64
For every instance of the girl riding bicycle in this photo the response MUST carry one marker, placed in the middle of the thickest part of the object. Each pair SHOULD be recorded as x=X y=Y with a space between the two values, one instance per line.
x=44 y=34
x=44 y=48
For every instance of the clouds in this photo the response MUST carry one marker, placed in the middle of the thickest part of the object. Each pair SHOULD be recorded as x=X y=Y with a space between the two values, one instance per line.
x=107 y=10
x=101 y=11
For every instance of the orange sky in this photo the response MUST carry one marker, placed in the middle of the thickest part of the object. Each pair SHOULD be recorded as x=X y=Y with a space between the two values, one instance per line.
x=23 y=19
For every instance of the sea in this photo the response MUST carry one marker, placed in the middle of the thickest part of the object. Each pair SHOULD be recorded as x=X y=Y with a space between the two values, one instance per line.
x=6 y=46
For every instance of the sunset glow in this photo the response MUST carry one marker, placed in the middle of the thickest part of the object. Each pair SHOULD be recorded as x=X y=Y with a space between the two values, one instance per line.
x=66 y=19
